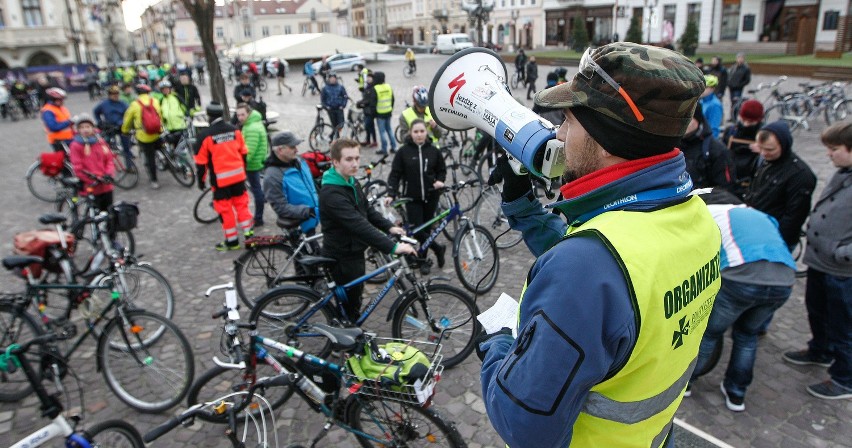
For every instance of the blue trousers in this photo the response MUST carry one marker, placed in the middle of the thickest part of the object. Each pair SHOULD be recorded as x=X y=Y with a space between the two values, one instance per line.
x=385 y=130
x=256 y=191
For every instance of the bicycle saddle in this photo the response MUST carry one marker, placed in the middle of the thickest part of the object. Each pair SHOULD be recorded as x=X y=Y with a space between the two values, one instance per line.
x=73 y=182
x=342 y=339
x=20 y=261
x=52 y=218
x=288 y=224
x=312 y=260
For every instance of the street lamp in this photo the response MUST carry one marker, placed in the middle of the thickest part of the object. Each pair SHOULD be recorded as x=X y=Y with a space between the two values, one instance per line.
x=169 y=17
x=515 y=15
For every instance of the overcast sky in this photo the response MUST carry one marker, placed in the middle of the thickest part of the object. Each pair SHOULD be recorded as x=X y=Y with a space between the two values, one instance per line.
x=132 y=11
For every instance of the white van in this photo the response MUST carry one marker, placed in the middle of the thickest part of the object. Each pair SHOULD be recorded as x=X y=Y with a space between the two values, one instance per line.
x=451 y=43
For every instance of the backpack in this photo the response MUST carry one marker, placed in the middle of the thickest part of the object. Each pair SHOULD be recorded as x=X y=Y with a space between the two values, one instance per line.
x=396 y=368
x=151 y=122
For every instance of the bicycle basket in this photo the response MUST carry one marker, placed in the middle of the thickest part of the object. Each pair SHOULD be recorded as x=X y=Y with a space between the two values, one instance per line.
x=52 y=163
x=38 y=243
x=123 y=216
x=402 y=371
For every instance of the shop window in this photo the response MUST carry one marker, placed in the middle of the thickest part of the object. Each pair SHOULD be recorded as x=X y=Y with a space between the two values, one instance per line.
x=730 y=21
x=693 y=12
x=32 y=12
x=748 y=22
x=829 y=20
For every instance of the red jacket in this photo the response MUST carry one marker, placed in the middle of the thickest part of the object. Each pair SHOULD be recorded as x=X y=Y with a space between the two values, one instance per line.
x=97 y=161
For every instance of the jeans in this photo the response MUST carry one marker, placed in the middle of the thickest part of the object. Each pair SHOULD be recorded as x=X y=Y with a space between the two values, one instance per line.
x=370 y=127
x=385 y=129
x=745 y=307
x=337 y=120
x=828 y=299
x=126 y=144
x=257 y=192
x=530 y=87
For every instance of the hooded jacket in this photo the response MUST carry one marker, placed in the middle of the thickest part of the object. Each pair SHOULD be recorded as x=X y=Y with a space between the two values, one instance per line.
x=708 y=162
x=417 y=167
x=334 y=96
x=373 y=99
x=783 y=188
x=349 y=224
x=254 y=133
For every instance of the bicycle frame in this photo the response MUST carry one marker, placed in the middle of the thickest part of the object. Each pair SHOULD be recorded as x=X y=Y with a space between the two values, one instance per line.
x=446 y=217
x=303 y=241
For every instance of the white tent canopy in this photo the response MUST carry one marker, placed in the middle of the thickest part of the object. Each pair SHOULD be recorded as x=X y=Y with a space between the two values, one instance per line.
x=304 y=46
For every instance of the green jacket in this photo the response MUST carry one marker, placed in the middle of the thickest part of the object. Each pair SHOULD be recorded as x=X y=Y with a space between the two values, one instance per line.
x=254 y=133
x=173 y=113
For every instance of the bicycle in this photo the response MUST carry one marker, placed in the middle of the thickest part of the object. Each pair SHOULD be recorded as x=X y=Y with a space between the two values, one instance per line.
x=111 y=433
x=145 y=359
x=44 y=184
x=203 y=211
x=126 y=174
x=517 y=79
x=309 y=84
x=321 y=134
x=319 y=383
x=177 y=158
x=408 y=70
x=425 y=311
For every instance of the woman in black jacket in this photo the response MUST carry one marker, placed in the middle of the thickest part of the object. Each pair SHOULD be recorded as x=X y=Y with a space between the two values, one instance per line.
x=420 y=168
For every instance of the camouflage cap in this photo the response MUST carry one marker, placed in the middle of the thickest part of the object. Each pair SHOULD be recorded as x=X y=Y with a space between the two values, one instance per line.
x=664 y=85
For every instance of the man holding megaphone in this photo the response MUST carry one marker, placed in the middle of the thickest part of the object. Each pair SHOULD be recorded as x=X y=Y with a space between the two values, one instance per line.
x=613 y=309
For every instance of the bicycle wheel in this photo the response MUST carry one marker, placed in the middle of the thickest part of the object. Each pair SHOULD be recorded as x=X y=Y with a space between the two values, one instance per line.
x=841 y=109
x=358 y=133
x=489 y=214
x=277 y=311
x=375 y=260
x=399 y=135
x=320 y=137
x=407 y=72
x=16 y=326
x=468 y=196
x=44 y=187
x=516 y=78
x=220 y=381
x=147 y=289
x=799 y=256
x=160 y=160
x=452 y=227
x=445 y=307
x=394 y=423
x=150 y=374
x=125 y=177
x=203 y=210
x=182 y=168
x=467 y=154
x=305 y=87
x=260 y=269
x=114 y=434
x=261 y=85
x=474 y=255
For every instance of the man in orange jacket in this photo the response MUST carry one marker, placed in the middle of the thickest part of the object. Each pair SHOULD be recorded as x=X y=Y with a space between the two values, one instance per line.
x=221 y=152
x=57 y=120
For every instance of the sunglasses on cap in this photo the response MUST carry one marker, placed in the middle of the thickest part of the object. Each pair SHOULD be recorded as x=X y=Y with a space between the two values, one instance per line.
x=588 y=68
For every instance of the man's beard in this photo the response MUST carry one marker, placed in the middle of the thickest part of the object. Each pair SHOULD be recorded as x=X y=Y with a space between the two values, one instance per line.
x=582 y=162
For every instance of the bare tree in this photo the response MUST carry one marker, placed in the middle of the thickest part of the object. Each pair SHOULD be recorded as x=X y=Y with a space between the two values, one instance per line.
x=202 y=13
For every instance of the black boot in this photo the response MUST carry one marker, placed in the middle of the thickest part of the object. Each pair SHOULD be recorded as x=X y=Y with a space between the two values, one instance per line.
x=440 y=250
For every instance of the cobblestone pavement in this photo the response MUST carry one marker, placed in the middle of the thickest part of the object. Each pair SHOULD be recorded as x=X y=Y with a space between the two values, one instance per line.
x=779 y=411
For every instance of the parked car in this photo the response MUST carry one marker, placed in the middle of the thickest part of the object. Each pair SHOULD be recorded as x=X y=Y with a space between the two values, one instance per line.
x=272 y=66
x=451 y=43
x=343 y=61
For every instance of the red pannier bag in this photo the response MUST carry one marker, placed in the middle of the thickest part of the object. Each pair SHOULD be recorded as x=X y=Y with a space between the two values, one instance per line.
x=317 y=162
x=52 y=163
x=37 y=243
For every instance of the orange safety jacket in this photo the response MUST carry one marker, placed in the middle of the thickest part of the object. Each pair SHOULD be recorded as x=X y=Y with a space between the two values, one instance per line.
x=61 y=113
x=223 y=152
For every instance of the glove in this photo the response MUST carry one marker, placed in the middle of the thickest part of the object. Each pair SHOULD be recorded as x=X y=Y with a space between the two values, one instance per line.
x=514 y=185
x=484 y=341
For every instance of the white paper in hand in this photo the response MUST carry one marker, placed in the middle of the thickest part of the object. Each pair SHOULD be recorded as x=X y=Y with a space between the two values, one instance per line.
x=504 y=313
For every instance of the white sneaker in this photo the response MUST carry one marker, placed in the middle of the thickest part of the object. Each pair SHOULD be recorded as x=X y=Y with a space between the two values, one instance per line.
x=155 y=186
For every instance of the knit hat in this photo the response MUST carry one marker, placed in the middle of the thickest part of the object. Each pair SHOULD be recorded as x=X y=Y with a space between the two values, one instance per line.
x=663 y=85
x=285 y=138
x=215 y=110
x=752 y=110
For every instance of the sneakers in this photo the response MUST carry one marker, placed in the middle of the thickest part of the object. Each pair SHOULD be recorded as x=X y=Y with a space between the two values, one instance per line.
x=805 y=358
x=829 y=390
x=155 y=186
x=688 y=391
x=225 y=246
x=733 y=402
x=248 y=233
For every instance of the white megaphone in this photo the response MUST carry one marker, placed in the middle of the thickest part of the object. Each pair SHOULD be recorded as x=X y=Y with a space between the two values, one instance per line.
x=470 y=90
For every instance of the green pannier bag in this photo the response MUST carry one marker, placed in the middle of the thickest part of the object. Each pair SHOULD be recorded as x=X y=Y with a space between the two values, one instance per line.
x=395 y=365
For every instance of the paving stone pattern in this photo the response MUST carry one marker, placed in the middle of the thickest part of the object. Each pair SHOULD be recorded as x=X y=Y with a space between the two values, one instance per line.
x=779 y=411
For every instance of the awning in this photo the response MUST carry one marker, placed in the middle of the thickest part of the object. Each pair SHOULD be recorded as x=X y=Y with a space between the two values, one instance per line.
x=304 y=46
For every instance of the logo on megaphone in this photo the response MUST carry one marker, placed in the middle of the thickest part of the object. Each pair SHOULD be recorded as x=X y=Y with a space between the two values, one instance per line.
x=470 y=90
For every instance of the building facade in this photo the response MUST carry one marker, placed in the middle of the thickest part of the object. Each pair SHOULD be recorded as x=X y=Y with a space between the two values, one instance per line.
x=235 y=23
x=50 y=32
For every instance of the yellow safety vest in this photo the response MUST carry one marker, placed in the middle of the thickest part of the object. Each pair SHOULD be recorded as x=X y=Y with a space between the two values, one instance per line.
x=410 y=115
x=362 y=78
x=670 y=258
x=384 y=96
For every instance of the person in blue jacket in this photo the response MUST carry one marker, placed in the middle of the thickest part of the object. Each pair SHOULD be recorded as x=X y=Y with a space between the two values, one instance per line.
x=614 y=307
x=711 y=106
x=310 y=73
x=110 y=116
x=334 y=99
x=758 y=274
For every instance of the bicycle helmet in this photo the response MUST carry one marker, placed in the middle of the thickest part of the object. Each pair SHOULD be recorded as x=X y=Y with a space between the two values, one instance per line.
x=421 y=96
x=56 y=93
x=165 y=84
x=711 y=80
x=143 y=88
x=84 y=118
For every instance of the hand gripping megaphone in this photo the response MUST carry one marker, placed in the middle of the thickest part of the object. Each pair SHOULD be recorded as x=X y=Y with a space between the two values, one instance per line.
x=470 y=90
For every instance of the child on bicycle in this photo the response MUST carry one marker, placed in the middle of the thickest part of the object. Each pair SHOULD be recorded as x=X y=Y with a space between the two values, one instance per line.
x=90 y=154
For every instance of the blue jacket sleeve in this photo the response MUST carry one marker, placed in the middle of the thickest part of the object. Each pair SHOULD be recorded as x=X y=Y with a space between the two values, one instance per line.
x=49 y=120
x=576 y=326
x=541 y=229
x=100 y=115
x=713 y=115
